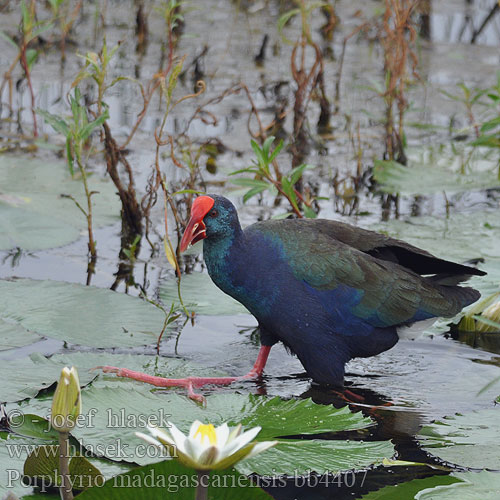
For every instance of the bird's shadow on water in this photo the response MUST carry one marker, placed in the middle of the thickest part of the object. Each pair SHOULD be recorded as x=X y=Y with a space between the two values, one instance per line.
x=389 y=423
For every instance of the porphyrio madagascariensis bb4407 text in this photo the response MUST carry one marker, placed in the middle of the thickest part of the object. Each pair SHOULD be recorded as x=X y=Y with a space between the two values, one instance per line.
x=329 y=291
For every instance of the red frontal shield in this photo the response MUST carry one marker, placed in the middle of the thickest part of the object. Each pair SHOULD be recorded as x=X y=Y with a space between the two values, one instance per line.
x=195 y=229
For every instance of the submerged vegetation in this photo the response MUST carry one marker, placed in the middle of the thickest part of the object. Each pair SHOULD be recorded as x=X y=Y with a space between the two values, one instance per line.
x=125 y=111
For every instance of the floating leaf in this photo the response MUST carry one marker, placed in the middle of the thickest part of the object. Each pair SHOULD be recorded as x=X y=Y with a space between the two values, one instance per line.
x=119 y=412
x=32 y=426
x=24 y=228
x=43 y=217
x=79 y=314
x=169 y=479
x=37 y=372
x=14 y=335
x=13 y=453
x=482 y=485
x=412 y=489
x=434 y=172
x=42 y=466
x=469 y=440
x=201 y=295
x=300 y=457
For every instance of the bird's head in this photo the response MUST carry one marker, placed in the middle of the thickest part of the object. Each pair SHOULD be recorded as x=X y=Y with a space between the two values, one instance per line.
x=212 y=216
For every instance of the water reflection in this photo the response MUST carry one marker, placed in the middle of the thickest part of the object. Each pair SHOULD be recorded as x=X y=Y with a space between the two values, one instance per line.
x=486 y=341
x=475 y=21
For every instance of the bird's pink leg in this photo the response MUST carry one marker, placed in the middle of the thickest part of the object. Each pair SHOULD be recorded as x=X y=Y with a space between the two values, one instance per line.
x=191 y=382
x=259 y=365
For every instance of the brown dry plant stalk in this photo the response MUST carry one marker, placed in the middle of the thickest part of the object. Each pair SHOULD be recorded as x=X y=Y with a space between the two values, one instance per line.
x=309 y=79
x=397 y=37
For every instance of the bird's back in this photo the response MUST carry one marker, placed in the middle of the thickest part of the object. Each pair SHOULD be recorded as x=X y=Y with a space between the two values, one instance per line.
x=355 y=275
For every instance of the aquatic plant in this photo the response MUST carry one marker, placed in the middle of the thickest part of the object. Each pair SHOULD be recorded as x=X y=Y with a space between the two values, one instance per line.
x=96 y=69
x=65 y=18
x=66 y=407
x=308 y=77
x=207 y=448
x=397 y=36
x=77 y=130
x=265 y=179
x=30 y=30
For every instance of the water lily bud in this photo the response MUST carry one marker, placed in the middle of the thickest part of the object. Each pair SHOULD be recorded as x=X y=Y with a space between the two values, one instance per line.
x=67 y=404
x=467 y=324
x=492 y=313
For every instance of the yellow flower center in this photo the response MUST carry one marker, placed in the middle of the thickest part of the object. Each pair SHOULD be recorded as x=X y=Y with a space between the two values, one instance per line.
x=207 y=430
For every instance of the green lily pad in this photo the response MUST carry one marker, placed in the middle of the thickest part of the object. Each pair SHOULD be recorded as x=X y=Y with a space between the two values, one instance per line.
x=482 y=485
x=14 y=450
x=32 y=426
x=169 y=479
x=469 y=440
x=33 y=374
x=33 y=231
x=14 y=335
x=35 y=210
x=80 y=314
x=280 y=416
x=117 y=413
x=413 y=489
x=300 y=457
x=431 y=172
x=38 y=372
x=201 y=295
x=42 y=467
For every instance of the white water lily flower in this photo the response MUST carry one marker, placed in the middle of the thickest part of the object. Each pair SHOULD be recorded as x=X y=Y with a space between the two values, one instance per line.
x=207 y=447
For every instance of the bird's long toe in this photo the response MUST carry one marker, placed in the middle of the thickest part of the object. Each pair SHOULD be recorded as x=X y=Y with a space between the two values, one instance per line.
x=190 y=383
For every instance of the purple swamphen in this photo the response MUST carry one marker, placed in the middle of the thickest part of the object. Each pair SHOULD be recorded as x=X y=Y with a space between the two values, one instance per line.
x=329 y=291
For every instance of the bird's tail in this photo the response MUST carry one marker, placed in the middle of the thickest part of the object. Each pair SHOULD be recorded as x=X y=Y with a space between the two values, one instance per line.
x=458 y=297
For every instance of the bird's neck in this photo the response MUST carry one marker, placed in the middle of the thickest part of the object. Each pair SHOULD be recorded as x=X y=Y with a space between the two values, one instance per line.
x=217 y=251
x=233 y=264
x=220 y=254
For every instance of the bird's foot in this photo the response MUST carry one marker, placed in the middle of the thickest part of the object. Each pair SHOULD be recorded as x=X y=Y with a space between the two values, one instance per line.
x=348 y=396
x=189 y=383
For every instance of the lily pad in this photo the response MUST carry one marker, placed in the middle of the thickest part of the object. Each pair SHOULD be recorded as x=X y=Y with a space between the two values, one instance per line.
x=469 y=440
x=14 y=450
x=472 y=486
x=42 y=467
x=168 y=479
x=32 y=426
x=14 y=335
x=33 y=374
x=118 y=413
x=300 y=457
x=38 y=372
x=430 y=171
x=200 y=295
x=30 y=230
x=35 y=209
x=80 y=314
x=413 y=489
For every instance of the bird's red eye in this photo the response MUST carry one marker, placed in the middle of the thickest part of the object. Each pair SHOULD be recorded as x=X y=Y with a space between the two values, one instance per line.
x=213 y=213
